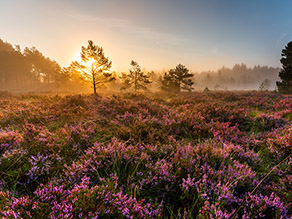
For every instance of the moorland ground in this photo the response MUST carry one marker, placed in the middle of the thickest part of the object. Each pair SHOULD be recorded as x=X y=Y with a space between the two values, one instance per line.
x=192 y=155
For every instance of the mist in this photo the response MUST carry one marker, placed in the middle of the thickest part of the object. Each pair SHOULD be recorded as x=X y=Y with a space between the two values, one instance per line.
x=240 y=77
x=28 y=70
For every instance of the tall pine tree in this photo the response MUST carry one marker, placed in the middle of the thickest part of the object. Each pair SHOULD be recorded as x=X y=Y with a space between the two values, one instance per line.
x=285 y=86
x=136 y=78
x=94 y=66
x=177 y=79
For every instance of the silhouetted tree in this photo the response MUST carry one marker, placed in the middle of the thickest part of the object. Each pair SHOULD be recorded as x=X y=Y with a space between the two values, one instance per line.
x=285 y=86
x=14 y=69
x=206 y=90
x=71 y=73
x=238 y=77
x=136 y=78
x=43 y=69
x=208 y=79
x=64 y=76
x=177 y=79
x=20 y=70
x=265 y=85
x=94 y=66
x=168 y=84
x=217 y=86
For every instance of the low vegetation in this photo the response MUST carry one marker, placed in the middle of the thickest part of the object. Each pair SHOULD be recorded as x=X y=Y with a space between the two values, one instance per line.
x=196 y=155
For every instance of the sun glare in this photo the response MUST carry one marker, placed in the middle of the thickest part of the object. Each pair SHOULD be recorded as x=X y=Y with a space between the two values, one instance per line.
x=87 y=64
x=77 y=57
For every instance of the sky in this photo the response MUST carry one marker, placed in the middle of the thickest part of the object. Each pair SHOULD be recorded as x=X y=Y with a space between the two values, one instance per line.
x=158 y=34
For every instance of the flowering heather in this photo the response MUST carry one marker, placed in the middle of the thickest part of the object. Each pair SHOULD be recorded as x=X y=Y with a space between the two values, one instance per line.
x=197 y=155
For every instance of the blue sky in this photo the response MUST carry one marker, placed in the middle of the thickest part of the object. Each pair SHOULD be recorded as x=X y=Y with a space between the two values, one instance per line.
x=159 y=34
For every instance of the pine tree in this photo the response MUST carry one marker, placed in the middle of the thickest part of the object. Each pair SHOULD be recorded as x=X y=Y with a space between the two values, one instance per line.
x=136 y=78
x=285 y=86
x=43 y=68
x=265 y=85
x=177 y=79
x=94 y=66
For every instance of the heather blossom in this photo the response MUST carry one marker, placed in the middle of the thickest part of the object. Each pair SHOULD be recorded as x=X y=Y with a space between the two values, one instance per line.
x=211 y=155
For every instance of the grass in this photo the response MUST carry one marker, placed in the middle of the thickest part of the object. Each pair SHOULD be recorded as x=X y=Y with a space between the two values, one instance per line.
x=220 y=155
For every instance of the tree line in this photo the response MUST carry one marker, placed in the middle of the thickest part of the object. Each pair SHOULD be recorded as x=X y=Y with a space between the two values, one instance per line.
x=30 y=67
x=27 y=67
x=238 y=77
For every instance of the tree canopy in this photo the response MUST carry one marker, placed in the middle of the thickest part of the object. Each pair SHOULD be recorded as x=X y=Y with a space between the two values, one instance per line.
x=94 y=65
x=25 y=68
x=285 y=86
x=177 y=79
x=29 y=70
x=43 y=68
x=136 y=78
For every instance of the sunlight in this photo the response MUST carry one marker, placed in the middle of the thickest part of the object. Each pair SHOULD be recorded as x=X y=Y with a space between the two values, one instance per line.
x=77 y=57
x=88 y=64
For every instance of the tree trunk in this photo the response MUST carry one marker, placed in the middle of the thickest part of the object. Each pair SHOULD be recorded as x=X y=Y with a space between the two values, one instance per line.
x=135 y=81
x=94 y=88
x=94 y=83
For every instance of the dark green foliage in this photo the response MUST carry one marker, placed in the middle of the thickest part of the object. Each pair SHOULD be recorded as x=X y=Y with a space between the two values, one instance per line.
x=136 y=78
x=285 y=86
x=177 y=79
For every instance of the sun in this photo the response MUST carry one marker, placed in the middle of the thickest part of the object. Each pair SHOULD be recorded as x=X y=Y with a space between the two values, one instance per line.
x=77 y=57
x=88 y=64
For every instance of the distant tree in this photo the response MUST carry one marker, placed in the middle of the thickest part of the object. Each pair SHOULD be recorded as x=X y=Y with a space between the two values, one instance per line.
x=71 y=74
x=265 y=85
x=285 y=86
x=238 y=77
x=231 y=80
x=94 y=66
x=64 y=76
x=152 y=76
x=177 y=79
x=208 y=79
x=136 y=78
x=216 y=86
x=22 y=69
x=206 y=90
x=43 y=69
x=14 y=69
x=168 y=84
x=239 y=69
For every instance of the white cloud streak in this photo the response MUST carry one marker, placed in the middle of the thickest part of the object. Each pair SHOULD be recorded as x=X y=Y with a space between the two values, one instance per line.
x=158 y=37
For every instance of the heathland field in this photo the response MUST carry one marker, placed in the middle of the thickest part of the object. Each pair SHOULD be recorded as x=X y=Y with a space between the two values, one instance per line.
x=196 y=155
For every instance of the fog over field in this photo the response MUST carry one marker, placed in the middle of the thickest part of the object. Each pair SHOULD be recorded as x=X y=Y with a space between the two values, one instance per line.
x=28 y=70
x=145 y=109
x=227 y=45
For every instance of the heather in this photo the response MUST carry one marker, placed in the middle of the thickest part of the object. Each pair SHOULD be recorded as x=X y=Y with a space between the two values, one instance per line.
x=189 y=155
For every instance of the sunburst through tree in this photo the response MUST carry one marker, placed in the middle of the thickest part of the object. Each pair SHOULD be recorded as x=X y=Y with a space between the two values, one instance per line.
x=94 y=66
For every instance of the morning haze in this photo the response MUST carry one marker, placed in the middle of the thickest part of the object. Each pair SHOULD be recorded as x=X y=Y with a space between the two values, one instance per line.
x=202 y=35
x=146 y=109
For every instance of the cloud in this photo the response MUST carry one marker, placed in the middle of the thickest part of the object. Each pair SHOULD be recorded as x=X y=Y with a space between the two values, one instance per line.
x=284 y=38
x=146 y=33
